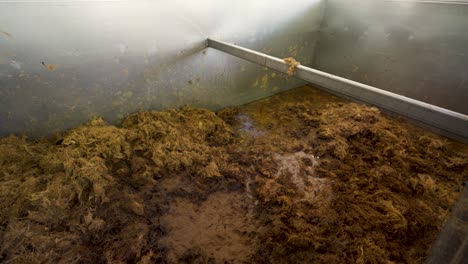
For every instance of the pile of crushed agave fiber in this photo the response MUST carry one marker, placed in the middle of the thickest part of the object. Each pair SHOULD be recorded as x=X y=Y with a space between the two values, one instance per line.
x=301 y=177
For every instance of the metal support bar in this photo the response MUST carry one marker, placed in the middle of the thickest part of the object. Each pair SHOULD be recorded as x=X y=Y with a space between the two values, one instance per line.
x=444 y=121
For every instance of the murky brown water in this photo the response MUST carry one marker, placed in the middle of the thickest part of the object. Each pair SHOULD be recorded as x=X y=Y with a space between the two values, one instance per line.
x=301 y=177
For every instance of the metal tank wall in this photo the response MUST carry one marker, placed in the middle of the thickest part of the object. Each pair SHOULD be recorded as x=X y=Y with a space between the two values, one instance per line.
x=64 y=62
x=417 y=49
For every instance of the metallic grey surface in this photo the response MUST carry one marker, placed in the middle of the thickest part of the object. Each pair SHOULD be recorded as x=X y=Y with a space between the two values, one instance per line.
x=246 y=54
x=417 y=49
x=447 y=122
x=451 y=246
x=113 y=58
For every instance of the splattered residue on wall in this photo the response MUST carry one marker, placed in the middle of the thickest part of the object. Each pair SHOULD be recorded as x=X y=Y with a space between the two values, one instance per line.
x=8 y=35
x=50 y=67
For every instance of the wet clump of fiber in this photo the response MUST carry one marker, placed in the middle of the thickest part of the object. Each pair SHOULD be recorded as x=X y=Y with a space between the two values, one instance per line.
x=301 y=177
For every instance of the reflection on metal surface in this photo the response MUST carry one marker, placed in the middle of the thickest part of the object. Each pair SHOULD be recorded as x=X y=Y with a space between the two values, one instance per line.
x=415 y=49
x=111 y=59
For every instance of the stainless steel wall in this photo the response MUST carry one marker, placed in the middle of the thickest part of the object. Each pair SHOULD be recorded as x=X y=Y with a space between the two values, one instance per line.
x=414 y=48
x=63 y=62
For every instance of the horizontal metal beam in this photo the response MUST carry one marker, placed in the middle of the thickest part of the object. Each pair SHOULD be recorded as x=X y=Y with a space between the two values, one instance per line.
x=444 y=121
